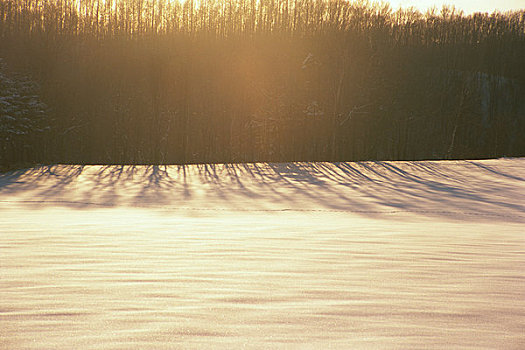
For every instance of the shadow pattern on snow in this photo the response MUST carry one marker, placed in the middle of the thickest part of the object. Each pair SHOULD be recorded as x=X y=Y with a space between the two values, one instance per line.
x=485 y=190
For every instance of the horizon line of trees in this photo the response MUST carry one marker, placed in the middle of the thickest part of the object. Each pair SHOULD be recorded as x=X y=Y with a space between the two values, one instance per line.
x=158 y=81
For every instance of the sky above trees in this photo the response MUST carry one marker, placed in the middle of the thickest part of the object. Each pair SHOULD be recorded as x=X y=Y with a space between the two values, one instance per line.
x=468 y=6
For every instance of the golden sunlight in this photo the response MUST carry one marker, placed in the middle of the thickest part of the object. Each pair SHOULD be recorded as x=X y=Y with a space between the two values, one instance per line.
x=261 y=174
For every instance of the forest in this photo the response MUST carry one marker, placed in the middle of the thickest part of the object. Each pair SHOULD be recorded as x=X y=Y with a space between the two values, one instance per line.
x=227 y=81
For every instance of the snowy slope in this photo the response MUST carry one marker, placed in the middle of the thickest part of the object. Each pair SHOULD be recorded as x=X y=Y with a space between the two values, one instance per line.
x=484 y=190
x=371 y=255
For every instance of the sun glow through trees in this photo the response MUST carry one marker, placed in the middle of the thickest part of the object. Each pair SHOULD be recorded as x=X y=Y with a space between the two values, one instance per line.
x=281 y=80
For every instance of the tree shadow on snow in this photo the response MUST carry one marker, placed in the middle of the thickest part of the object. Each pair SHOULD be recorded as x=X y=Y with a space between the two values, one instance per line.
x=485 y=190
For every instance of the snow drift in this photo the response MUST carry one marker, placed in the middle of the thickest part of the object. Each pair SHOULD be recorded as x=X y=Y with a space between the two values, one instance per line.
x=372 y=255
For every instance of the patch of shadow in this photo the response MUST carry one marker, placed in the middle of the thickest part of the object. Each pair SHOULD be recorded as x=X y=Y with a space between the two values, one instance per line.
x=371 y=189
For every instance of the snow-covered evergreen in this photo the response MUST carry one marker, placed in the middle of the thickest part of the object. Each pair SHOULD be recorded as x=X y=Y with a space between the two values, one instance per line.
x=22 y=113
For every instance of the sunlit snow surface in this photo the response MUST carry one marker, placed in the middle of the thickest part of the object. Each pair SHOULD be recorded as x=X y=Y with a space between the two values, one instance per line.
x=373 y=255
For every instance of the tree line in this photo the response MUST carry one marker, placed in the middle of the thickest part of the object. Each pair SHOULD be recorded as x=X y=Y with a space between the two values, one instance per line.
x=158 y=81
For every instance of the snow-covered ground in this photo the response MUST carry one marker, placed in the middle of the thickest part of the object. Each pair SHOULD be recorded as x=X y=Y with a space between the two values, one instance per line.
x=372 y=255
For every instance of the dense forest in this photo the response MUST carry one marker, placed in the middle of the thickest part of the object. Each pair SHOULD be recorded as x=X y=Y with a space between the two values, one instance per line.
x=158 y=82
